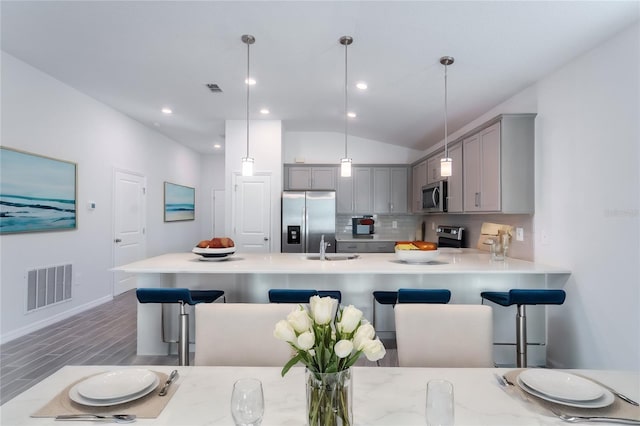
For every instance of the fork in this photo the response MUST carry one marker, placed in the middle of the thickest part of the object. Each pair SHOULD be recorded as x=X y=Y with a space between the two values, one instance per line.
x=577 y=419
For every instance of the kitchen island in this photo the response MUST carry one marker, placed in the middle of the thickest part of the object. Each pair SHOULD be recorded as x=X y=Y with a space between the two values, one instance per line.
x=247 y=277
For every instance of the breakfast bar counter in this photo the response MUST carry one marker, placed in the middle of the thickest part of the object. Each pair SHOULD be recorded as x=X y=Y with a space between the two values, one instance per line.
x=247 y=278
x=449 y=261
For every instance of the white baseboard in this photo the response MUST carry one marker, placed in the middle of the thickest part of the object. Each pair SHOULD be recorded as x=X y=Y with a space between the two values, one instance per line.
x=7 y=337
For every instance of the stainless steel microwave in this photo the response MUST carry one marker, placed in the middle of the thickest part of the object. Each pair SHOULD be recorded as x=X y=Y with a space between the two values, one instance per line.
x=434 y=197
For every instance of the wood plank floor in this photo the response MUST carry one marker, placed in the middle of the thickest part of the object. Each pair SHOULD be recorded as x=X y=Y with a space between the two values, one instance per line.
x=105 y=335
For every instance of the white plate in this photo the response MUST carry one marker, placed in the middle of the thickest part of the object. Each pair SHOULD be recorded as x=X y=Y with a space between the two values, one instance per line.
x=76 y=397
x=561 y=385
x=116 y=384
x=604 y=401
x=416 y=256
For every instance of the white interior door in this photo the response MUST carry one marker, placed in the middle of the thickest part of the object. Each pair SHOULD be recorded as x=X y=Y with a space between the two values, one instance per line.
x=217 y=209
x=129 y=239
x=251 y=214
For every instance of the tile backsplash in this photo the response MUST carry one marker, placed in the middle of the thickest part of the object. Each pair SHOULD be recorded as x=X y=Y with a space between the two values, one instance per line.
x=405 y=226
x=408 y=227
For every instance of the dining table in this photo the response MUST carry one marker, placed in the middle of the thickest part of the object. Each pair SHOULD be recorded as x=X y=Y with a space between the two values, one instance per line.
x=393 y=396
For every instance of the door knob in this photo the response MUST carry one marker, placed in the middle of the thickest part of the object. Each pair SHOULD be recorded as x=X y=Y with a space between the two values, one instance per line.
x=266 y=238
x=117 y=240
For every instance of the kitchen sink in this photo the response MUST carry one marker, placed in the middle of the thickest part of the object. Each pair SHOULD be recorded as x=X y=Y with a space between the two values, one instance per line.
x=332 y=257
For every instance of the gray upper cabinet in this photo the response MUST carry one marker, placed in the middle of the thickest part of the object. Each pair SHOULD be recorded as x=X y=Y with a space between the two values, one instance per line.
x=419 y=179
x=310 y=177
x=344 y=194
x=498 y=166
x=454 y=196
x=362 y=190
x=390 y=188
x=433 y=169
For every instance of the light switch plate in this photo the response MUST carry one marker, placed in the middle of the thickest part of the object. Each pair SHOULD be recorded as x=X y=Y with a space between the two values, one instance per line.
x=519 y=234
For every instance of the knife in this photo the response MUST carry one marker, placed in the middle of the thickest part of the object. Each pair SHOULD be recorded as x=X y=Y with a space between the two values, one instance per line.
x=165 y=387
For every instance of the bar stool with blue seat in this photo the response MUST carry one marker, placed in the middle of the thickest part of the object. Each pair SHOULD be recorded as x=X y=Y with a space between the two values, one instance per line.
x=383 y=297
x=296 y=295
x=336 y=294
x=183 y=296
x=521 y=298
x=423 y=295
x=291 y=295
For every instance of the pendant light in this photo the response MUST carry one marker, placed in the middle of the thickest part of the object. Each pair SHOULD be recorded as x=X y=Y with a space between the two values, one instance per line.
x=446 y=162
x=247 y=162
x=345 y=163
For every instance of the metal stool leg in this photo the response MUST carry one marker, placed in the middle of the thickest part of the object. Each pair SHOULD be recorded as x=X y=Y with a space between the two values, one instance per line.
x=521 y=337
x=183 y=339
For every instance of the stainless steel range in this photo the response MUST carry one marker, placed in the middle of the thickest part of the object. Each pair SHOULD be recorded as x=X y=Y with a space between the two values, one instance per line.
x=450 y=236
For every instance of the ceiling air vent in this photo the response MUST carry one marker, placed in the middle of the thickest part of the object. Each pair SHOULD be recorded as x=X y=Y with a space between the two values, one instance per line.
x=214 y=88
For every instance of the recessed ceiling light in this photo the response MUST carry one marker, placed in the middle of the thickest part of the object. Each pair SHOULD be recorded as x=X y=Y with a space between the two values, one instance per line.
x=166 y=110
x=217 y=146
x=351 y=115
x=250 y=81
x=264 y=111
x=361 y=85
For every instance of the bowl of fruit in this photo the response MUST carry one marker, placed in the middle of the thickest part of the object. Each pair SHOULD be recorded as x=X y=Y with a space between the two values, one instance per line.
x=416 y=251
x=217 y=248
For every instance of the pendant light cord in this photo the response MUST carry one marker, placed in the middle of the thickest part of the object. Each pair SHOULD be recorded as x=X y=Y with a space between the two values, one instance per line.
x=446 y=130
x=248 y=86
x=346 y=107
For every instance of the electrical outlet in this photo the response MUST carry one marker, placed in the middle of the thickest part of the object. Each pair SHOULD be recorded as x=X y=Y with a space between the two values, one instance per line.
x=394 y=224
x=519 y=234
x=433 y=226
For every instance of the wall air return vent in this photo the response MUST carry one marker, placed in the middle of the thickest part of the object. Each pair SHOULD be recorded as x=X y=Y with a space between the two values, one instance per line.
x=48 y=286
x=214 y=88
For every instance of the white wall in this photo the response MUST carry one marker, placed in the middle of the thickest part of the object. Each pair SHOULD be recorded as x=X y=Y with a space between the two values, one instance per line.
x=43 y=116
x=265 y=146
x=587 y=203
x=587 y=216
x=212 y=179
x=328 y=148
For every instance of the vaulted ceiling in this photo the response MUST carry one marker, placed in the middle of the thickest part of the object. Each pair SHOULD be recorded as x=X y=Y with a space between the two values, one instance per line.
x=141 y=56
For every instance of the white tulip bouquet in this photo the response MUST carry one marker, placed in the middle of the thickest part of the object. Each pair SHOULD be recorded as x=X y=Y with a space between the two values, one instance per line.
x=328 y=342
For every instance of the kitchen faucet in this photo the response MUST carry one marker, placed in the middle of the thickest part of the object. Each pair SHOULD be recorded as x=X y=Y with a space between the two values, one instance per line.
x=323 y=248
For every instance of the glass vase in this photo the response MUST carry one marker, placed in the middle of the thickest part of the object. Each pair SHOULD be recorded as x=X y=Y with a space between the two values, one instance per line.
x=329 y=398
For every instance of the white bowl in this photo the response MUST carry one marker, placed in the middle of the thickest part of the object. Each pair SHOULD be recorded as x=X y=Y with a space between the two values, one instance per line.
x=417 y=256
x=214 y=252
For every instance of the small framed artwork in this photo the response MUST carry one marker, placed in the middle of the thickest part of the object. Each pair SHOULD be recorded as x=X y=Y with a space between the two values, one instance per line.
x=179 y=202
x=37 y=193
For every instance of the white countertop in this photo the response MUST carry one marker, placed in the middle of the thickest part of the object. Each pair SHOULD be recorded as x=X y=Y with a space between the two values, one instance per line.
x=450 y=261
x=381 y=396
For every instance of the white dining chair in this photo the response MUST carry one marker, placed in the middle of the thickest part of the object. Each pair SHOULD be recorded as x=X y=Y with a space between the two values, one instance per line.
x=240 y=334
x=439 y=335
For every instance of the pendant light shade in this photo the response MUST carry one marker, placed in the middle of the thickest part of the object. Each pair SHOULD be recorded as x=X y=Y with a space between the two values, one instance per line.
x=247 y=162
x=345 y=163
x=446 y=164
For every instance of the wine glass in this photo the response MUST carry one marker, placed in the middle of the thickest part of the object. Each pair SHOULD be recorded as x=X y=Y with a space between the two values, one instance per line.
x=247 y=402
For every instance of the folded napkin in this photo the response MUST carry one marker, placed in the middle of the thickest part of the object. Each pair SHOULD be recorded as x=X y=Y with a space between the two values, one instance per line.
x=619 y=408
x=149 y=406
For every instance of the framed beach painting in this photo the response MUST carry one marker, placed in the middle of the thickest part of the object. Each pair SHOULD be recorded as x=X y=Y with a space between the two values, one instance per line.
x=37 y=193
x=179 y=202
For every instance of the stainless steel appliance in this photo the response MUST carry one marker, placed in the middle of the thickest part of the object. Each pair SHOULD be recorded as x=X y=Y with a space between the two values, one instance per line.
x=306 y=217
x=434 y=197
x=450 y=236
x=362 y=226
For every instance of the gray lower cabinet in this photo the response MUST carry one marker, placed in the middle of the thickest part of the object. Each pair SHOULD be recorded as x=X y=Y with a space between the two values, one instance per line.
x=365 y=246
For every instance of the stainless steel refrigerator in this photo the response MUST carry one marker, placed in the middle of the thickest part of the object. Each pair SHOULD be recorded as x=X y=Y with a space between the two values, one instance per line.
x=306 y=216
